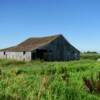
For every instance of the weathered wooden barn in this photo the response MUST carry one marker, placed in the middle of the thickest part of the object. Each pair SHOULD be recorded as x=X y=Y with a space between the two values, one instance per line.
x=52 y=48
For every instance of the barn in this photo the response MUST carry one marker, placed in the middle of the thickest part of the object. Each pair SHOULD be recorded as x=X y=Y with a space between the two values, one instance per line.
x=51 y=48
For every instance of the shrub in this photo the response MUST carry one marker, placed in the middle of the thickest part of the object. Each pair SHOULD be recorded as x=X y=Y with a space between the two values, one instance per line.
x=90 y=56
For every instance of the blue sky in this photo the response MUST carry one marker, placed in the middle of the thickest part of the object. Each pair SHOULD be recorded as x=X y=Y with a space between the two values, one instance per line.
x=77 y=20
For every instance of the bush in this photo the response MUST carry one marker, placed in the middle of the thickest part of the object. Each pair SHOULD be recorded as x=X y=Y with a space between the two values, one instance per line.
x=90 y=56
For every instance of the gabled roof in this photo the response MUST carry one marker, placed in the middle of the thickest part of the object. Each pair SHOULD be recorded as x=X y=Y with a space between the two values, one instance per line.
x=31 y=44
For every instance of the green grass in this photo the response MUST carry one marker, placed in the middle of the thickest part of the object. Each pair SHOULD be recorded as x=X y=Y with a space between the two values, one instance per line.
x=90 y=56
x=40 y=80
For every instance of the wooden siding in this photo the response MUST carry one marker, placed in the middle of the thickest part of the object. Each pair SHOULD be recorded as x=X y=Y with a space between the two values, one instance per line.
x=21 y=56
x=61 y=50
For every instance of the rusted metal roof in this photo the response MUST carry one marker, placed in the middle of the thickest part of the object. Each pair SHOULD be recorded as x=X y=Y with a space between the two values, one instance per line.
x=31 y=44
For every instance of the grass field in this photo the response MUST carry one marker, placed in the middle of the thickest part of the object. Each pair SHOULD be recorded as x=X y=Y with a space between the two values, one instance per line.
x=39 y=80
x=90 y=56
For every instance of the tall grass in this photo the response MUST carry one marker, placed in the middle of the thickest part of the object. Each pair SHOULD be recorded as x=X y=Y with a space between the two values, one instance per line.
x=46 y=80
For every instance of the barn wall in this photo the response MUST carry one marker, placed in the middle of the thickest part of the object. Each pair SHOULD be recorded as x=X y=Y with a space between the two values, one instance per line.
x=16 y=55
x=62 y=50
x=2 y=56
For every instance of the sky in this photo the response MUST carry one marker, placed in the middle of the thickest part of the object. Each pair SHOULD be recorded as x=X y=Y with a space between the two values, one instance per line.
x=77 y=20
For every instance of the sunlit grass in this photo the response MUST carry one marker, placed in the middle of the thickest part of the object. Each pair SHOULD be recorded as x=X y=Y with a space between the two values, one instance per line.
x=39 y=80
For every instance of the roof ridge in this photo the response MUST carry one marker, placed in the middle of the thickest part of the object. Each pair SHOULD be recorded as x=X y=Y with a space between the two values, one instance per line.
x=45 y=36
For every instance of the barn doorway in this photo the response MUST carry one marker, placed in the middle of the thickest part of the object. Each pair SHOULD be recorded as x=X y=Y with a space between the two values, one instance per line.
x=33 y=56
x=40 y=54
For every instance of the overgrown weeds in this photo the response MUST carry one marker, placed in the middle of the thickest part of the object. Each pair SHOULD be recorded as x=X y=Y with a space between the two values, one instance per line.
x=48 y=80
x=93 y=85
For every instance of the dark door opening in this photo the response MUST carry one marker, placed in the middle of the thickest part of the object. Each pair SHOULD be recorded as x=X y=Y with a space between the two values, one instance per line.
x=33 y=56
x=39 y=54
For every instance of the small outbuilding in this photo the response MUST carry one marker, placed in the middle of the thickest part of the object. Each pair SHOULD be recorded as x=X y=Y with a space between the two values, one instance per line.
x=51 y=48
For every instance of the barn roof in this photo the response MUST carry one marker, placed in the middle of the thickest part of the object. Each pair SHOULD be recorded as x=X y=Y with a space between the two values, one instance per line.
x=31 y=44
